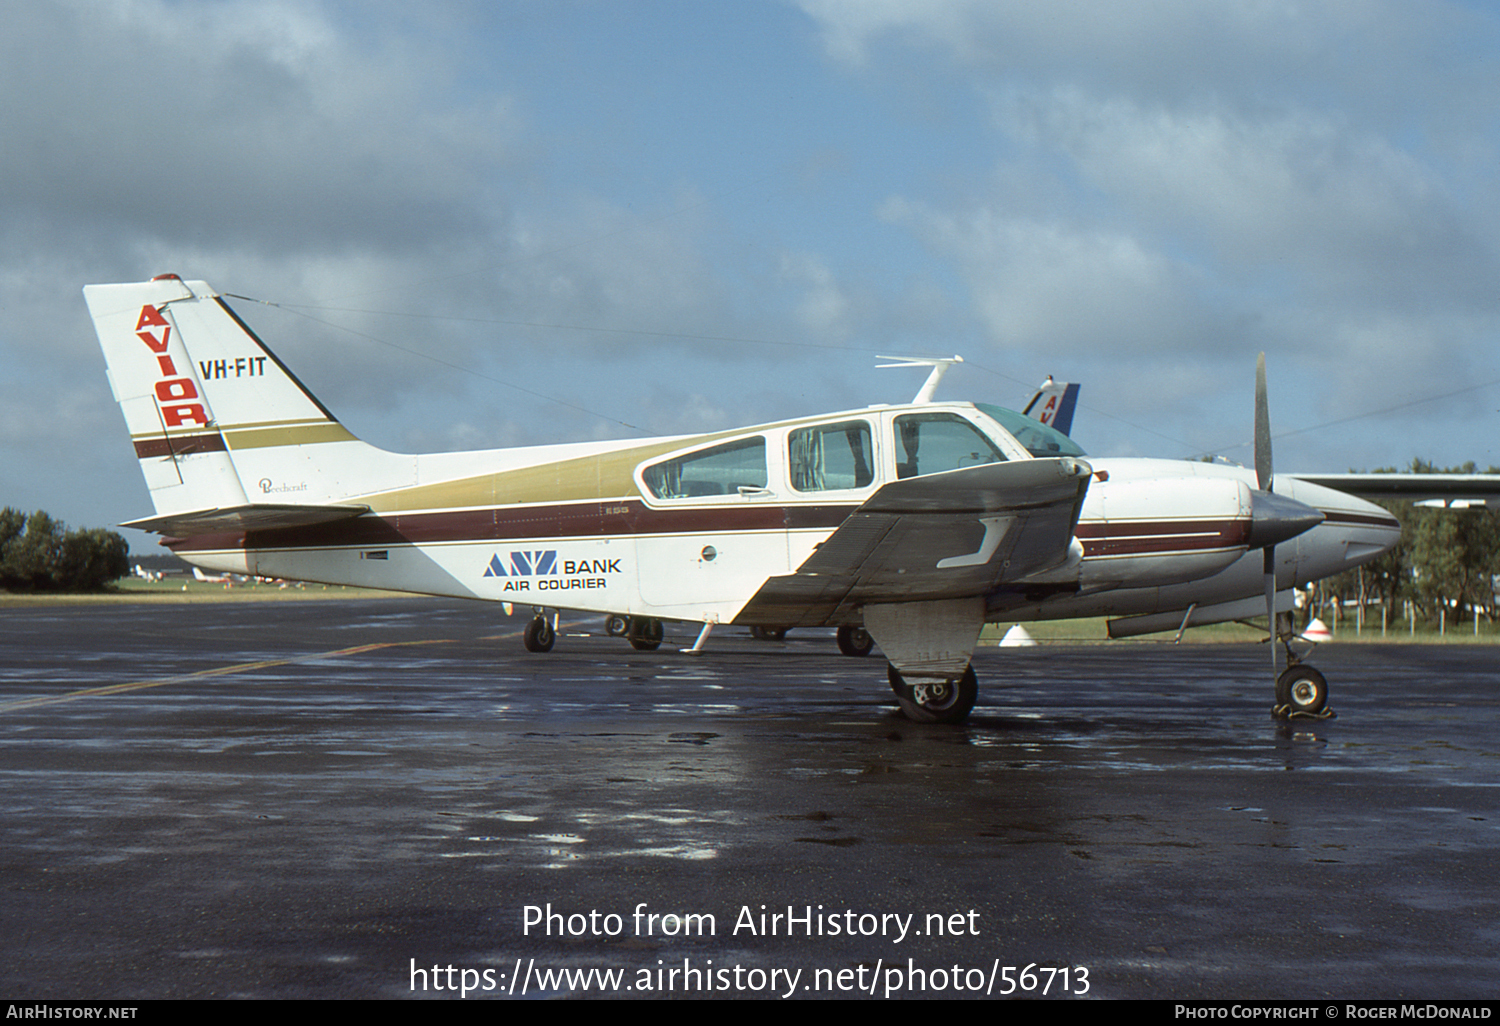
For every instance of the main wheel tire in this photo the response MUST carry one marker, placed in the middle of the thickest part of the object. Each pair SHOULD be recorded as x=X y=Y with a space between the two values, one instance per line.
x=941 y=702
x=645 y=634
x=1302 y=689
x=540 y=636
x=769 y=633
x=616 y=625
x=855 y=641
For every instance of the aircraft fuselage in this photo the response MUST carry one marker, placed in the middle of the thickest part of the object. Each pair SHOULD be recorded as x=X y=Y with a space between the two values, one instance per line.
x=621 y=534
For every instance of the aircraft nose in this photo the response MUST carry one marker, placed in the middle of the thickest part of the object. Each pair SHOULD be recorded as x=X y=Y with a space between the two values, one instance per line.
x=1275 y=518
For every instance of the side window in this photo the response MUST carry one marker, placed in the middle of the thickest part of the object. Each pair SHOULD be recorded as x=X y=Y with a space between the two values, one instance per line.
x=928 y=443
x=722 y=470
x=831 y=456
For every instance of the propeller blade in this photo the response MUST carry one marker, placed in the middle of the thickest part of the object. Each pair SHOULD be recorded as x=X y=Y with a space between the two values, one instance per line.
x=1270 y=571
x=1263 y=478
x=1262 y=427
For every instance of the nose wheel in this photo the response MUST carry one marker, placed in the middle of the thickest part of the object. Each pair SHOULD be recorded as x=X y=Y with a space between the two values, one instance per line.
x=1301 y=691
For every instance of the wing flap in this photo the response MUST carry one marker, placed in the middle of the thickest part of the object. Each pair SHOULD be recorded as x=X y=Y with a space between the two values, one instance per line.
x=949 y=535
x=255 y=516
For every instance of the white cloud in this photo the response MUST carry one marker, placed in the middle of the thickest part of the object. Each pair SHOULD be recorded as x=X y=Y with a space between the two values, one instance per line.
x=824 y=309
x=1300 y=192
x=1378 y=53
x=255 y=124
x=1050 y=285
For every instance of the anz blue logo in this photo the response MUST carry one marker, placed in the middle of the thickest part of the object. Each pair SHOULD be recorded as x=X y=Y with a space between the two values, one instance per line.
x=549 y=572
x=524 y=564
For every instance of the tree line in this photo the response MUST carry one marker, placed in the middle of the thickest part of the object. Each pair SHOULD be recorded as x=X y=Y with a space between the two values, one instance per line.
x=1447 y=559
x=38 y=553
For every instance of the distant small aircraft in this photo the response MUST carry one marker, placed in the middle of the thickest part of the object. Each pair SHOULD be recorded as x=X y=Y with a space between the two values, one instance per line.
x=1053 y=405
x=916 y=523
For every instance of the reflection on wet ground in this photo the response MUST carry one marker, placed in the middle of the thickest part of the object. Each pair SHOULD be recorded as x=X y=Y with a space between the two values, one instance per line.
x=299 y=800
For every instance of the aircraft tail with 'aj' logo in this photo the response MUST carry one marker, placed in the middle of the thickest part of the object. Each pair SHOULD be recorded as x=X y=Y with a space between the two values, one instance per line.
x=227 y=437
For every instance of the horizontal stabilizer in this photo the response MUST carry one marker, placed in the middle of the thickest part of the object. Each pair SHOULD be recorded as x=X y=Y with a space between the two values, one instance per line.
x=256 y=516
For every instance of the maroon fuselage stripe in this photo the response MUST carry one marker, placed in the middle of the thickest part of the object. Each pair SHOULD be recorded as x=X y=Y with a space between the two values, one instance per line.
x=623 y=518
x=616 y=518
x=1102 y=538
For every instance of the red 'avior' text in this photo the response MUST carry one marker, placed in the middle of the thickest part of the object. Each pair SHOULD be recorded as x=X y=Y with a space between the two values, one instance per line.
x=173 y=391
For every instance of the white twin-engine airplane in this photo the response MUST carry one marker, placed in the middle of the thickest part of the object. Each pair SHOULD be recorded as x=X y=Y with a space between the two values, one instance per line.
x=914 y=525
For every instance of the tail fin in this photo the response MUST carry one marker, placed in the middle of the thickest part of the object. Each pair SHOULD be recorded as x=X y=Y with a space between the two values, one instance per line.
x=227 y=437
x=1053 y=404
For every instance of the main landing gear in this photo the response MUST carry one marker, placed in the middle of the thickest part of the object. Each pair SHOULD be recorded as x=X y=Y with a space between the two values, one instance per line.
x=769 y=633
x=927 y=697
x=541 y=633
x=935 y=701
x=644 y=633
x=855 y=641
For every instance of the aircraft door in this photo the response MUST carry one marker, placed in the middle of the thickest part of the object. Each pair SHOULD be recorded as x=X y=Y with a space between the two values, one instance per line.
x=717 y=530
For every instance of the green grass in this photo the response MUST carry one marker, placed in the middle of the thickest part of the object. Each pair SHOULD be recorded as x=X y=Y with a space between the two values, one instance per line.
x=1093 y=631
x=1075 y=632
x=179 y=590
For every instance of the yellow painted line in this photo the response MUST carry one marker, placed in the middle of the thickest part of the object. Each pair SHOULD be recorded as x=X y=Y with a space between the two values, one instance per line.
x=115 y=689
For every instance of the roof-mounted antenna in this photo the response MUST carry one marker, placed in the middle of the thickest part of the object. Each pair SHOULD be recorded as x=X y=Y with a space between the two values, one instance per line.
x=939 y=365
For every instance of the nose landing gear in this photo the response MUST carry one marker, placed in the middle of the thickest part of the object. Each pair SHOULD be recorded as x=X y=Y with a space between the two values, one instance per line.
x=1301 y=691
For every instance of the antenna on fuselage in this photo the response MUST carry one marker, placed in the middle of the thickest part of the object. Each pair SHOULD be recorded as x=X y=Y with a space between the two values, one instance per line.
x=939 y=365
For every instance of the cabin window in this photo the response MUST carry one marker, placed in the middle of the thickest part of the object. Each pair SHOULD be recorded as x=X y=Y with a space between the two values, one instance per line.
x=729 y=469
x=831 y=456
x=929 y=443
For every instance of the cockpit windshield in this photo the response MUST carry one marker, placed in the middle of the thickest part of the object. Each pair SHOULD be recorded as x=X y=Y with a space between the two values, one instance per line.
x=1039 y=439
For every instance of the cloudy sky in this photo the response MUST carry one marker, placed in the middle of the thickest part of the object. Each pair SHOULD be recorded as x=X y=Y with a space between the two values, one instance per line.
x=503 y=222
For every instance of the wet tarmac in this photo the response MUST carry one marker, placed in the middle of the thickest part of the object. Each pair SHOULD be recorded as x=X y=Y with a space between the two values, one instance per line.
x=391 y=798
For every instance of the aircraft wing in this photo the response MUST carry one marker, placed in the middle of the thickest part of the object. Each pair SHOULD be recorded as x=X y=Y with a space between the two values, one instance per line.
x=1449 y=489
x=255 y=516
x=948 y=535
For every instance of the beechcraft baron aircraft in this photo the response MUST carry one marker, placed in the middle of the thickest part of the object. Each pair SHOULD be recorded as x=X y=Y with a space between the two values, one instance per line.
x=913 y=524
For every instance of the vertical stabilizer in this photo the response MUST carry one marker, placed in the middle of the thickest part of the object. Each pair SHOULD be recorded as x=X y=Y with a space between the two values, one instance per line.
x=216 y=419
x=1053 y=405
x=177 y=439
